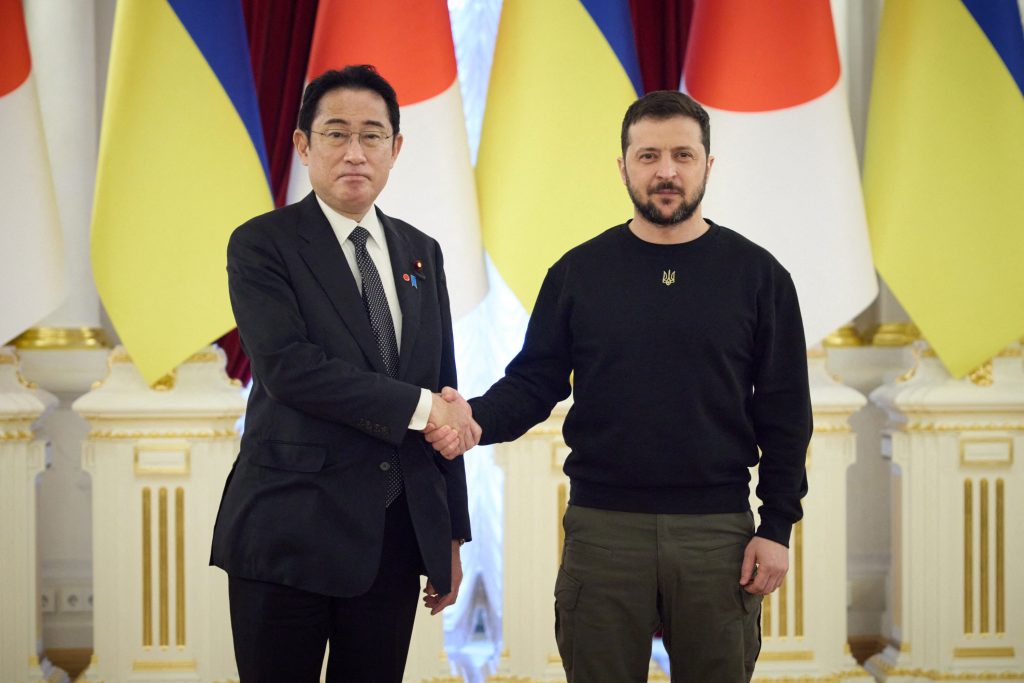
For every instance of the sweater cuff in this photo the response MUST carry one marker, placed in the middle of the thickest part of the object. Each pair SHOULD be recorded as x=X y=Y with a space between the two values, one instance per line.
x=775 y=530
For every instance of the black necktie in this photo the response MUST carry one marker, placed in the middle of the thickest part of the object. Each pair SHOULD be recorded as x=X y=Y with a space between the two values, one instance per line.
x=379 y=313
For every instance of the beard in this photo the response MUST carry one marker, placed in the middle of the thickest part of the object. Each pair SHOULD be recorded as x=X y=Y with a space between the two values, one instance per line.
x=650 y=211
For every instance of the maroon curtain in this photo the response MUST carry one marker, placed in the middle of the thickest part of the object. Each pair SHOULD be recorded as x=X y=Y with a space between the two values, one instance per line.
x=280 y=34
x=661 y=28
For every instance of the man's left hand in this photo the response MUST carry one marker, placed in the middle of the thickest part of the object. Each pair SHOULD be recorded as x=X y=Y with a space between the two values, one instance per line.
x=434 y=602
x=765 y=564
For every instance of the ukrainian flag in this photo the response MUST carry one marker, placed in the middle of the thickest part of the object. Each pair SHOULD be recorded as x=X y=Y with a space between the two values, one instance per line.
x=944 y=172
x=181 y=164
x=564 y=73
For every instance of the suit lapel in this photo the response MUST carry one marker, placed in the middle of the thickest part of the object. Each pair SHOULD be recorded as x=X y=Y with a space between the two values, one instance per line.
x=409 y=299
x=326 y=260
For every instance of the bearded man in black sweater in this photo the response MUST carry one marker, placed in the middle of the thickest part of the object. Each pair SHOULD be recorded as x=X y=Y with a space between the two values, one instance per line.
x=690 y=367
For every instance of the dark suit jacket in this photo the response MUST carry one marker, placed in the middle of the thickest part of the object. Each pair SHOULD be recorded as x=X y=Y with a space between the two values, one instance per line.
x=304 y=503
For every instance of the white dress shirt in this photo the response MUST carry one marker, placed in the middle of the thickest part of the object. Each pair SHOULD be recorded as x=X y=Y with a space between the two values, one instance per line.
x=377 y=247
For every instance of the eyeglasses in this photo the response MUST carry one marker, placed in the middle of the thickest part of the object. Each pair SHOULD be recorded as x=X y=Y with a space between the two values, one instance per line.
x=368 y=139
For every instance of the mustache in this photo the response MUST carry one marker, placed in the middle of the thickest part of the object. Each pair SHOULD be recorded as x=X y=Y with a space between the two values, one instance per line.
x=666 y=185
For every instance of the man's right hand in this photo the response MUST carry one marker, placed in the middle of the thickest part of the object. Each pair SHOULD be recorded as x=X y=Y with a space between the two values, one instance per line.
x=451 y=429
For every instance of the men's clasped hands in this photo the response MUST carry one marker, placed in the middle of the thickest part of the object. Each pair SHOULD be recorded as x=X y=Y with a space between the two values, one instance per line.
x=451 y=429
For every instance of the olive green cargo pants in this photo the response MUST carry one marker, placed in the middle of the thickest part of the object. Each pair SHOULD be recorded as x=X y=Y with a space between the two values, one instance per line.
x=623 y=574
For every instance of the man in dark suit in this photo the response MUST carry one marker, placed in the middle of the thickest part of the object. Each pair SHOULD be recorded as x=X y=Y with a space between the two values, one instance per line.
x=336 y=504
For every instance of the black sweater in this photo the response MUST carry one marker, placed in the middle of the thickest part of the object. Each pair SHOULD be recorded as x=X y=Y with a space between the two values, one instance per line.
x=675 y=386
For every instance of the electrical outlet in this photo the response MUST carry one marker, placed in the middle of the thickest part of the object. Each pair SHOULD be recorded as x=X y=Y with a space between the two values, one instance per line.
x=48 y=600
x=75 y=599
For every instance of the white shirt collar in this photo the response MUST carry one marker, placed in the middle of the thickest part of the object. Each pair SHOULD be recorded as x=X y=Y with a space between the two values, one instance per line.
x=343 y=225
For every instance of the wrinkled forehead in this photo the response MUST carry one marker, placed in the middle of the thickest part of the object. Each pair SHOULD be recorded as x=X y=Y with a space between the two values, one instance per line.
x=665 y=132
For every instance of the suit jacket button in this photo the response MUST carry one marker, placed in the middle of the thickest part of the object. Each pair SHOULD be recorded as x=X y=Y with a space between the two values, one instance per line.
x=385 y=466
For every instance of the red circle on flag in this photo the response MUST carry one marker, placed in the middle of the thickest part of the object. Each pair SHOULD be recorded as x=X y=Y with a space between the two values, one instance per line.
x=15 y=62
x=408 y=41
x=759 y=56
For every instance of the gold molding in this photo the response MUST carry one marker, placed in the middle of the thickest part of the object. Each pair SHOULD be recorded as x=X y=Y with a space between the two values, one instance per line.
x=983 y=577
x=798 y=579
x=164 y=588
x=1000 y=559
x=931 y=674
x=6 y=359
x=16 y=435
x=895 y=334
x=171 y=470
x=783 y=594
x=104 y=434
x=832 y=428
x=965 y=652
x=766 y=615
x=981 y=376
x=179 y=566
x=147 y=567
x=921 y=426
x=171 y=665
x=968 y=556
x=966 y=441
x=62 y=339
x=845 y=337
x=786 y=656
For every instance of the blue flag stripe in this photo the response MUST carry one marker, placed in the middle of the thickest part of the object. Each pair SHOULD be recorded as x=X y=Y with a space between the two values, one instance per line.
x=1000 y=20
x=218 y=29
x=616 y=24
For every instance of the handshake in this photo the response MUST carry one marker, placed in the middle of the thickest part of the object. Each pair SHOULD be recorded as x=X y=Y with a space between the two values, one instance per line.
x=451 y=429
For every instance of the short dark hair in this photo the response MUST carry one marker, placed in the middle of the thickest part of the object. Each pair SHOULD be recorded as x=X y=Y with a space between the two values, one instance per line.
x=352 y=77
x=665 y=104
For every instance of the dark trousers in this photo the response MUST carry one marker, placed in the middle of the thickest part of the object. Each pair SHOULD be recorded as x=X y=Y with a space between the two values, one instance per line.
x=624 y=573
x=280 y=632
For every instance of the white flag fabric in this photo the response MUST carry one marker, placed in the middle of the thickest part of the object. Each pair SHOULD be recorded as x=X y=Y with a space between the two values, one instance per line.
x=785 y=173
x=32 y=275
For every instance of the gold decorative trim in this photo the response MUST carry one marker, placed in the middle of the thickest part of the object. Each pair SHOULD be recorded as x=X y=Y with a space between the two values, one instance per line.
x=931 y=674
x=6 y=359
x=62 y=339
x=966 y=652
x=147 y=568
x=16 y=435
x=1000 y=559
x=989 y=462
x=921 y=426
x=786 y=656
x=983 y=554
x=845 y=337
x=766 y=615
x=968 y=557
x=165 y=383
x=104 y=434
x=179 y=566
x=783 y=594
x=982 y=375
x=183 y=469
x=165 y=624
x=798 y=578
x=172 y=665
x=832 y=428
x=895 y=334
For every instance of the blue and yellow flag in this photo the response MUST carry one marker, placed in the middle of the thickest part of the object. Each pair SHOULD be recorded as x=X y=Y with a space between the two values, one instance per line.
x=564 y=73
x=181 y=164
x=944 y=172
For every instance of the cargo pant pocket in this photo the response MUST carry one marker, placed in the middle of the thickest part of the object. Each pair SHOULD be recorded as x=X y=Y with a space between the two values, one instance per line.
x=567 y=594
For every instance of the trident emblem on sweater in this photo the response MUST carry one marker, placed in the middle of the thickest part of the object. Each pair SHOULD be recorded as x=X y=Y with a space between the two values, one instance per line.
x=668 y=278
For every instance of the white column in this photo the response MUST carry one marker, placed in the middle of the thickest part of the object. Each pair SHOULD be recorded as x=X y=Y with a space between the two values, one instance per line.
x=536 y=495
x=159 y=459
x=803 y=623
x=22 y=460
x=956 y=603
